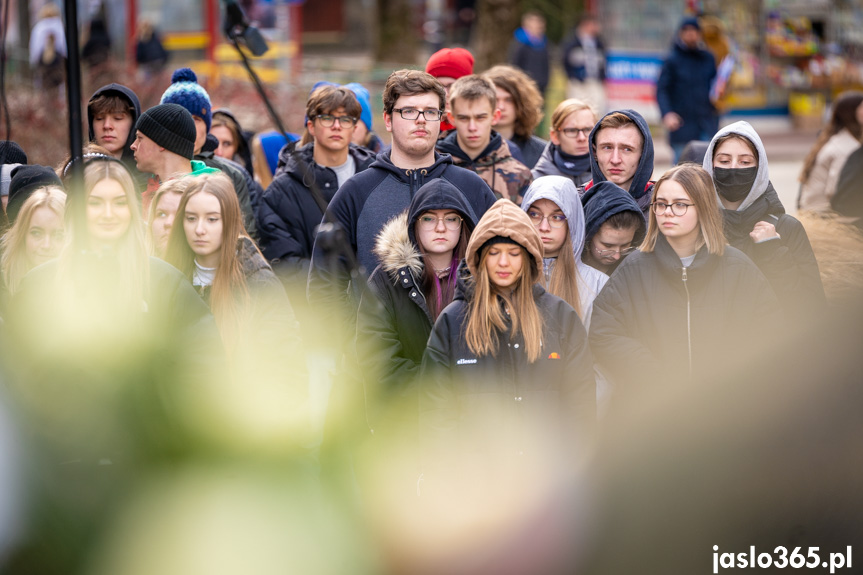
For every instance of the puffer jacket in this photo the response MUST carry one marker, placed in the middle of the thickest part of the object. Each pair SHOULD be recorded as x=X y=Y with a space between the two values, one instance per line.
x=657 y=323
x=562 y=192
x=788 y=262
x=394 y=319
x=288 y=213
x=507 y=177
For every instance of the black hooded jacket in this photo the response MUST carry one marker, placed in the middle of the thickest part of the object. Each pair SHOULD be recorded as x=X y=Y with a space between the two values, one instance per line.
x=394 y=319
x=128 y=155
x=288 y=213
x=641 y=188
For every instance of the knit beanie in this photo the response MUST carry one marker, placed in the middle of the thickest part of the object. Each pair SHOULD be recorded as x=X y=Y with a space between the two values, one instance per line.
x=450 y=63
x=185 y=91
x=171 y=126
x=690 y=21
x=11 y=153
x=365 y=103
x=25 y=181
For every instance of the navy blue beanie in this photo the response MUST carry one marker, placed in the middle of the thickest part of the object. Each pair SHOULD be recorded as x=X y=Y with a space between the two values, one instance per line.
x=690 y=21
x=185 y=91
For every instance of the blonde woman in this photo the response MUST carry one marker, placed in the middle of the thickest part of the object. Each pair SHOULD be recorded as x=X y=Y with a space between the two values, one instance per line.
x=568 y=152
x=163 y=213
x=685 y=305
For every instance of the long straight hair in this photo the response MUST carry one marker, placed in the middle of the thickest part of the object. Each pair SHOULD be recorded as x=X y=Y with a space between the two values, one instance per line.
x=229 y=294
x=486 y=319
x=440 y=291
x=13 y=244
x=699 y=185
x=844 y=116
x=564 y=276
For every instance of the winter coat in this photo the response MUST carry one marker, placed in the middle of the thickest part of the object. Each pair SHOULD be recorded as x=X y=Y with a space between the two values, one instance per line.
x=289 y=214
x=848 y=201
x=529 y=149
x=243 y=184
x=561 y=191
x=394 y=320
x=817 y=191
x=658 y=323
x=788 y=262
x=550 y=163
x=641 y=188
x=684 y=87
x=531 y=55
x=574 y=59
x=507 y=177
x=365 y=203
x=128 y=155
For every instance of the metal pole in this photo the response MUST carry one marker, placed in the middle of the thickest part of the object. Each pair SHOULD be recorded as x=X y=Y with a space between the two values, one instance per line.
x=75 y=186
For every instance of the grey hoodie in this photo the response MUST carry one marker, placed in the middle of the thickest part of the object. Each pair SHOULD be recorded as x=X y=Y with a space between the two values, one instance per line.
x=762 y=176
x=561 y=190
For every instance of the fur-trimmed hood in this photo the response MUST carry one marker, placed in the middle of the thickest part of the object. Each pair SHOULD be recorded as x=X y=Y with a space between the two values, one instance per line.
x=395 y=250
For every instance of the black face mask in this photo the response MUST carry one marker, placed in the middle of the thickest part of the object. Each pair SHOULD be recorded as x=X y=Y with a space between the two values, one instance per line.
x=734 y=184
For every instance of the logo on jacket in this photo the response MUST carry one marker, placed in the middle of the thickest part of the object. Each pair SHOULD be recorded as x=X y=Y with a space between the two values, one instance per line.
x=554 y=355
x=465 y=361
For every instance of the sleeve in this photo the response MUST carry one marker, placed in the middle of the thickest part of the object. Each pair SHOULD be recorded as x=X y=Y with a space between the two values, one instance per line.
x=385 y=368
x=616 y=348
x=280 y=241
x=664 y=87
x=244 y=195
x=848 y=199
x=837 y=162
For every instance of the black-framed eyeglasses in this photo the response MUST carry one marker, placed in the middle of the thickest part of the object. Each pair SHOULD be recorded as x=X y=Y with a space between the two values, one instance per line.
x=611 y=253
x=430 y=115
x=429 y=222
x=327 y=120
x=574 y=132
x=554 y=220
x=677 y=208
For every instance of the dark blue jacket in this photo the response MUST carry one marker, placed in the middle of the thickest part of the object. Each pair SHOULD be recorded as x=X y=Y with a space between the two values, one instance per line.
x=573 y=59
x=531 y=56
x=641 y=188
x=684 y=88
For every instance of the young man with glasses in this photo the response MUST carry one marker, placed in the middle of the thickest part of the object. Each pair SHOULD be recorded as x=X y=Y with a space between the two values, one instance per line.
x=475 y=146
x=614 y=227
x=414 y=103
x=568 y=152
x=288 y=213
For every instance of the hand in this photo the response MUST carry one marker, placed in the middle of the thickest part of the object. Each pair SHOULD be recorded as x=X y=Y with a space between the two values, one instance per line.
x=672 y=121
x=763 y=232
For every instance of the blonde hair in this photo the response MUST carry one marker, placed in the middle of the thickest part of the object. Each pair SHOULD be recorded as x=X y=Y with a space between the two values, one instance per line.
x=14 y=262
x=485 y=318
x=176 y=186
x=699 y=185
x=564 y=276
x=565 y=109
x=229 y=296
x=473 y=88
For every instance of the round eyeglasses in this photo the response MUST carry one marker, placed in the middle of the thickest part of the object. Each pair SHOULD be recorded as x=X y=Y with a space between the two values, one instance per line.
x=554 y=220
x=677 y=208
x=574 y=132
x=451 y=221
x=327 y=120
x=430 y=115
x=611 y=253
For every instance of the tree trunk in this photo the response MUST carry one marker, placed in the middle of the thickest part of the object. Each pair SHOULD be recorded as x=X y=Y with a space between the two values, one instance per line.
x=496 y=21
x=398 y=33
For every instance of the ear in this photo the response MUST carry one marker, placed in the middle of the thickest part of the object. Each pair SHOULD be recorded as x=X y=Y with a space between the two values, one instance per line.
x=554 y=137
x=495 y=117
x=449 y=117
x=388 y=121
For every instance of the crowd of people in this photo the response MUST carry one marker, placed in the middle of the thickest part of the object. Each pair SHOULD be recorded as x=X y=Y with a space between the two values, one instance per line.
x=485 y=295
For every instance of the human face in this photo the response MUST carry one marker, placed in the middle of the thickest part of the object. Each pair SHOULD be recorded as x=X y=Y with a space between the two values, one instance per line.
x=681 y=231
x=112 y=130
x=439 y=239
x=414 y=139
x=227 y=146
x=506 y=105
x=690 y=36
x=334 y=139
x=166 y=211
x=605 y=240
x=734 y=153
x=553 y=239
x=200 y=133
x=44 y=236
x=360 y=133
x=146 y=153
x=618 y=151
x=577 y=145
x=108 y=212
x=503 y=262
x=472 y=120
x=202 y=223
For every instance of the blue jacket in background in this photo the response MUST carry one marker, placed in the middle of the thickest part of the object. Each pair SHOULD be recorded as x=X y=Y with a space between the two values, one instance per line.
x=684 y=88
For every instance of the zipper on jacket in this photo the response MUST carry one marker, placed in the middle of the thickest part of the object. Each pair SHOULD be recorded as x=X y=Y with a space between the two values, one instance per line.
x=688 y=322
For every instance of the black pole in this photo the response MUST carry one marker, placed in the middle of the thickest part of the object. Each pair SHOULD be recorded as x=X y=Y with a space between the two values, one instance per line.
x=75 y=185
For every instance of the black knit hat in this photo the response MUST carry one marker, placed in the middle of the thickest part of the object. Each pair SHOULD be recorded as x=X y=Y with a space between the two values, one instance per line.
x=25 y=181
x=171 y=126
x=11 y=153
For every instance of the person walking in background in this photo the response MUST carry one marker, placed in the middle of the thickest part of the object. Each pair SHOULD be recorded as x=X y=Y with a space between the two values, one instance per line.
x=584 y=64
x=756 y=222
x=568 y=152
x=48 y=49
x=683 y=90
x=529 y=49
x=824 y=163
x=521 y=111
x=150 y=53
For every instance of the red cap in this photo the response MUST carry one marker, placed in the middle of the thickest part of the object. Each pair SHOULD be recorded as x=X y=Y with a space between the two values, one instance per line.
x=450 y=63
